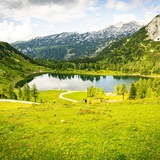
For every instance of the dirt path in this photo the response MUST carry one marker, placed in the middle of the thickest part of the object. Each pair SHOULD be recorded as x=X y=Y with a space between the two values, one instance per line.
x=61 y=96
x=17 y=101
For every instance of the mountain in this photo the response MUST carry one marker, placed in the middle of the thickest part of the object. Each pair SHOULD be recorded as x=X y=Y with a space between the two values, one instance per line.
x=65 y=46
x=139 y=53
x=13 y=64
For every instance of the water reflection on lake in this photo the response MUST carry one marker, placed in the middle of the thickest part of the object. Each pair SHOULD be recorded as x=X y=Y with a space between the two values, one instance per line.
x=80 y=82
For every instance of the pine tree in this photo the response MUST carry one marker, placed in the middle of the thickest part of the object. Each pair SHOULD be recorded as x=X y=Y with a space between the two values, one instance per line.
x=122 y=90
x=11 y=92
x=34 y=92
x=141 y=86
x=156 y=86
x=20 y=95
x=132 y=91
x=3 y=92
x=26 y=92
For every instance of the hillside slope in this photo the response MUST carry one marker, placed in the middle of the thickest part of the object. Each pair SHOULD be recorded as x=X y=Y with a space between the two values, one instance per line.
x=139 y=53
x=13 y=64
x=65 y=46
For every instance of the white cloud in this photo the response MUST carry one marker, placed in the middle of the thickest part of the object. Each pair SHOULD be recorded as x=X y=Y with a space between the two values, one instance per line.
x=117 y=5
x=122 y=6
x=110 y=4
x=49 y=10
x=150 y=13
x=11 y=32
x=124 y=18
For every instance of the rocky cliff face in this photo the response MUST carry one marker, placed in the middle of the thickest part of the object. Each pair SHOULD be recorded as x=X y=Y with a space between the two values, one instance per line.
x=153 y=29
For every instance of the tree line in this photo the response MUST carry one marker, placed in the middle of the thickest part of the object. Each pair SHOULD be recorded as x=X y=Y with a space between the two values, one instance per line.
x=141 y=66
x=24 y=93
x=143 y=88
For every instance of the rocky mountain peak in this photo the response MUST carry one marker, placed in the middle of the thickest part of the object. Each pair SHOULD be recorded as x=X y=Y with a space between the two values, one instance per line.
x=153 y=29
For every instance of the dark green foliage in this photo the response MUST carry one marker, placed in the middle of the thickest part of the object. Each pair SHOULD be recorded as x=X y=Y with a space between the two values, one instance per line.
x=7 y=91
x=4 y=92
x=145 y=88
x=20 y=95
x=141 y=87
x=26 y=92
x=13 y=64
x=156 y=86
x=132 y=91
x=135 y=54
x=27 y=79
x=11 y=93
x=34 y=92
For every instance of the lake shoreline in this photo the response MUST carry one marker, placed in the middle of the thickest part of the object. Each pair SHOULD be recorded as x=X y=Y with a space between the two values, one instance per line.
x=79 y=72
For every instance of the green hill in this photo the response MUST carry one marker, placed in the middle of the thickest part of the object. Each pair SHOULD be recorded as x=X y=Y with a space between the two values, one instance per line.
x=136 y=54
x=13 y=64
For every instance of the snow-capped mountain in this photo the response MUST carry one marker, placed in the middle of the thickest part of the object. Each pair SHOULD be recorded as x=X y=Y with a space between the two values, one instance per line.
x=69 y=45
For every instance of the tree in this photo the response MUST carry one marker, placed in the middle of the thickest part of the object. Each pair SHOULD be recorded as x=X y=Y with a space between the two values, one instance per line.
x=156 y=86
x=96 y=92
x=149 y=88
x=122 y=90
x=3 y=92
x=11 y=92
x=116 y=89
x=26 y=92
x=100 y=94
x=20 y=95
x=132 y=91
x=90 y=91
x=141 y=87
x=34 y=92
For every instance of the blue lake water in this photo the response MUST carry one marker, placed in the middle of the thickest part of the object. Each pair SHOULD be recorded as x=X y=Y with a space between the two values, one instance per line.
x=80 y=82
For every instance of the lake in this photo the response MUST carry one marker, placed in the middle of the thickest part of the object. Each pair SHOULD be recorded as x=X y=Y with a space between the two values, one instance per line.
x=80 y=82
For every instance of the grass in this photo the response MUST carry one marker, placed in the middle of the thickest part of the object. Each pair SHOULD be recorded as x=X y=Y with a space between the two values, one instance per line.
x=78 y=96
x=50 y=96
x=64 y=130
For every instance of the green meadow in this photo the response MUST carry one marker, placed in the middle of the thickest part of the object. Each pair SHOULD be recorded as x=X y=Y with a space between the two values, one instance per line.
x=62 y=130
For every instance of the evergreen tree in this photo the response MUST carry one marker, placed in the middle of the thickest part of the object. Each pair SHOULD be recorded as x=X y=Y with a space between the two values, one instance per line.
x=20 y=95
x=122 y=90
x=149 y=88
x=132 y=91
x=11 y=93
x=34 y=92
x=156 y=86
x=3 y=92
x=141 y=87
x=26 y=92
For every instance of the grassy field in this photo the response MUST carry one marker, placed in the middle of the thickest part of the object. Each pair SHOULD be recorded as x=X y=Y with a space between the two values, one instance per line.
x=63 y=130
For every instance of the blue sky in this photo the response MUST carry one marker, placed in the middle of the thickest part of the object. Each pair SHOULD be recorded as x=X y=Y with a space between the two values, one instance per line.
x=26 y=19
